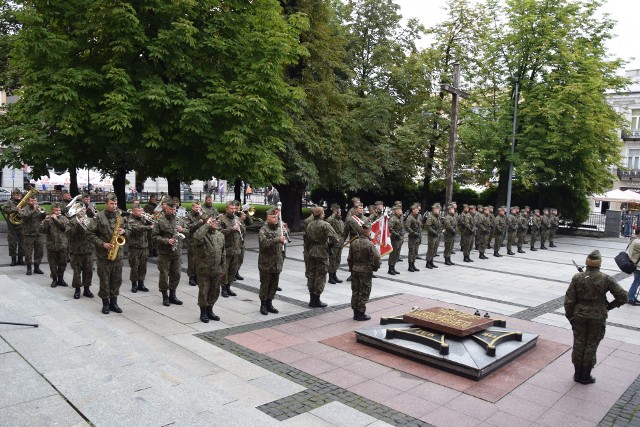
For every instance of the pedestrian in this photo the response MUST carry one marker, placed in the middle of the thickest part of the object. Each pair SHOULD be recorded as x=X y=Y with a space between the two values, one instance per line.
x=81 y=249
x=512 y=229
x=194 y=220
x=467 y=231
x=545 y=226
x=32 y=215
x=363 y=260
x=450 y=225
x=535 y=229
x=271 y=256
x=413 y=227
x=633 y=250
x=555 y=223
x=14 y=232
x=586 y=307
x=499 y=228
x=433 y=227
x=231 y=229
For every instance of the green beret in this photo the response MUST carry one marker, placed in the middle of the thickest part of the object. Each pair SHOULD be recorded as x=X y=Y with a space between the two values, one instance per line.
x=111 y=196
x=594 y=255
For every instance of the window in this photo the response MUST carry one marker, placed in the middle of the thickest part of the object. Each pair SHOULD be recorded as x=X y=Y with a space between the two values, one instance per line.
x=633 y=159
x=635 y=119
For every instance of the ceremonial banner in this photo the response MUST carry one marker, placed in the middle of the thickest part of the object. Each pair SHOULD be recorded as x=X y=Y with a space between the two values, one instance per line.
x=380 y=235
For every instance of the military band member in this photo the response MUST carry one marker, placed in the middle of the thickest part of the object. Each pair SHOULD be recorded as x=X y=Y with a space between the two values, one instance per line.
x=14 y=233
x=139 y=229
x=208 y=208
x=33 y=241
x=168 y=235
x=89 y=207
x=66 y=199
x=555 y=223
x=396 y=231
x=319 y=236
x=483 y=224
x=545 y=225
x=335 y=257
x=413 y=227
x=194 y=220
x=586 y=307
x=535 y=228
x=449 y=225
x=102 y=230
x=245 y=221
x=363 y=260
x=433 y=227
x=522 y=224
x=81 y=249
x=210 y=252
x=512 y=229
x=499 y=228
x=54 y=227
x=467 y=231
x=150 y=209
x=232 y=231
x=271 y=256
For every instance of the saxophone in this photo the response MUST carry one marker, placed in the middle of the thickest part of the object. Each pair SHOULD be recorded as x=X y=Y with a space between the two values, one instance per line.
x=116 y=240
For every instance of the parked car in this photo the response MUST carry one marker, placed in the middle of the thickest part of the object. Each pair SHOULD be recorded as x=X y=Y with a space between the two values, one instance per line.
x=5 y=194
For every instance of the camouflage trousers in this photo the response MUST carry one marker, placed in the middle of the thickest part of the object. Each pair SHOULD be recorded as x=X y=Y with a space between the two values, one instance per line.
x=317 y=274
x=432 y=247
x=33 y=249
x=511 y=239
x=535 y=233
x=552 y=234
x=520 y=235
x=414 y=244
x=240 y=257
x=191 y=260
x=334 y=260
x=544 y=235
x=587 y=334
x=497 y=242
x=448 y=245
x=232 y=264
x=466 y=241
x=110 y=275
x=208 y=289
x=15 y=248
x=169 y=268
x=360 y=290
x=482 y=240
x=394 y=256
x=268 y=284
x=138 y=263
x=57 y=262
x=82 y=266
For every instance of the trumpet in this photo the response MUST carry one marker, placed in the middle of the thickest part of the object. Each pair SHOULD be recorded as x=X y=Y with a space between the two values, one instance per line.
x=250 y=210
x=147 y=217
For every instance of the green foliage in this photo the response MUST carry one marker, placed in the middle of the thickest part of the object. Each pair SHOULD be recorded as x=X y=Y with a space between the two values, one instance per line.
x=9 y=26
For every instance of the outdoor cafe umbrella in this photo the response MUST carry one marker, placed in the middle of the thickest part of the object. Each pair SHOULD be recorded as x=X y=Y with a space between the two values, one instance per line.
x=618 y=196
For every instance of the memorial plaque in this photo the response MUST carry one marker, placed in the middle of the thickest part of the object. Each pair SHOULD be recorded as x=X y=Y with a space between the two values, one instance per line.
x=448 y=321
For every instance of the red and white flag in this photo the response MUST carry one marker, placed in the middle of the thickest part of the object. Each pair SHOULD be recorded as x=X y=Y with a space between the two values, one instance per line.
x=380 y=235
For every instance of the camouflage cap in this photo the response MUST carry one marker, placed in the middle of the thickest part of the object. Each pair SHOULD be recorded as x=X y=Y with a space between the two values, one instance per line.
x=479 y=206
x=453 y=202
x=135 y=204
x=166 y=200
x=335 y=206
x=16 y=191
x=65 y=192
x=397 y=202
x=355 y=200
x=379 y=203
x=56 y=205
x=230 y=203
x=594 y=255
x=451 y=205
x=358 y=205
x=85 y=195
x=273 y=211
x=514 y=207
x=472 y=206
x=435 y=205
x=397 y=206
x=502 y=208
x=464 y=205
x=415 y=205
x=195 y=202
x=111 y=196
x=237 y=203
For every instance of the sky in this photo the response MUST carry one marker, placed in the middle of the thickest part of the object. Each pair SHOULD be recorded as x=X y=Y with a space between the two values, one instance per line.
x=625 y=12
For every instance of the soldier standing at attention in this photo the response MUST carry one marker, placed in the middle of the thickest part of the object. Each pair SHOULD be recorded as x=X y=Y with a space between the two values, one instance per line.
x=535 y=228
x=499 y=227
x=457 y=217
x=363 y=260
x=461 y=217
x=467 y=231
x=54 y=227
x=478 y=217
x=245 y=221
x=32 y=216
x=194 y=221
x=512 y=229
x=491 y=218
x=81 y=251
x=396 y=230
x=545 y=225
x=555 y=223
x=376 y=213
x=271 y=256
x=413 y=227
x=319 y=235
x=522 y=224
x=450 y=224
x=14 y=234
x=528 y=214
x=353 y=224
x=102 y=229
x=166 y=235
x=232 y=232
x=139 y=229
x=484 y=230
x=586 y=307
x=150 y=208
x=434 y=229
x=210 y=251
x=336 y=222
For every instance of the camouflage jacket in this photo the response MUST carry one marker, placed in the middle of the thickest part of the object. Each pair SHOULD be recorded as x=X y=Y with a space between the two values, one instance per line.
x=512 y=223
x=586 y=296
x=555 y=221
x=232 y=238
x=319 y=235
x=166 y=229
x=336 y=222
x=363 y=256
x=535 y=223
x=413 y=226
x=545 y=222
x=523 y=222
x=433 y=225
x=9 y=207
x=483 y=223
x=210 y=210
x=138 y=232
x=396 y=227
x=271 y=255
x=352 y=227
x=468 y=223
x=55 y=231
x=31 y=219
x=80 y=241
x=150 y=208
x=210 y=251
x=499 y=225
x=101 y=230
x=450 y=225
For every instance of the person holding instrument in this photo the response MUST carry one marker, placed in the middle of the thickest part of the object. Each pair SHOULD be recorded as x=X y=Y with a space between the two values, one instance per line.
x=232 y=232
x=54 y=227
x=32 y=216
x=168 y=237
x=271 y=240
x=209 y=248
x=14 y=234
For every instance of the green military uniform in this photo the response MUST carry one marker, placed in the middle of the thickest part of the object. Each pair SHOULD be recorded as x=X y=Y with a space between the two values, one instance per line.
x=555 y=223
x=478 y=216
x=150 y=208
x=545 y=225
x=363 y=260
x=535 y=229
x=169 y=256
x=270 y=260
x=396 y=230
x=433 y=227
x=413 y=227
x=57 y=247
x=210 y=268
x=81 y=249
x=208 y=209
x=244 y=223
x=31 y=238
x=467 y=232
x=522 y=225
x=305 y=245
x=586 y=307
x=483 y=223
x=499 y=228
x=139 y=230
x=491 y=219
x=14 y=238
x=194 y=220
x=232 y=248
x=376 y=213
x=449 y=226
x=335 y=257
x=319 y=234
x=512 y=229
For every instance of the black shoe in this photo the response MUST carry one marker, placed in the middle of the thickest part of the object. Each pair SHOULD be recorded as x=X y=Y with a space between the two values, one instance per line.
x=483 y=256
x=87 y=292
x=105 y=305
x=520 y=251
x=577 y=374
x=315 y=300
x=333 y=282
x=154 y=252
x=428 y=265
x=551 y=245
x=172 y=297
x=279 y=288
x=263 y=307
x=390 y=271
x=76 y=293
x=229 y=291
x=436 y=255
x=355 y=314
x=312 y=300
x=142 y=287
x=362 y=317
x=411 y=267
x=134 y=286
x=211 y=315
x=13 y=261
x=61 y=282
x=447 y=261
x=54 y=283
x=20 y=261
x=510 y=253
x=203 y=315
x=192 y=281
x=349 y=278
x=270 y=307
x=395 y=271
x=29 y=272
x=466 y=259
x=433 y=265
x=335 y=277
x=36 y=269
x=373 y=276
x=165 y=299
x=113 y=305
x=533 y=249
x=543 y=247
x=585 y=376
x=634 y=302
x=497 y=255
x=223 y=289
x=239 y=277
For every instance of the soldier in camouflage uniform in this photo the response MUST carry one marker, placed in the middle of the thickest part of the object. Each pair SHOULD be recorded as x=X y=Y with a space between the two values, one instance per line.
x=528 y=215
x=449 y=226
x=305 y=243
x=478 y=217
x=102 y=229
x=483 y=224
x=210 y=268
x=81 y=249
x=139 y=230
x=457 y=216
x=586 y=307
x=355 y=201
x=14 y=233
x=376 y=213
x=512 y=229
x=90 y=209
x=491 y=218
x=522 y=224
x=54 y=227
x=545 y=225
x=319 y=236
x=336 y=222
x=245 y=221
x=499 y=228
x=271 y=241
x=166 y=235
x=363 y=260
x=33 y=241
x=433 y=227
x=150 y=208
x=232 y=232
x=461 y=217
x=208 y=208
x=413 y=227
x=535 y=228
x=555 y=223
x=396 y=231
x=353 y=224
x=194 y=220
x=467 y=231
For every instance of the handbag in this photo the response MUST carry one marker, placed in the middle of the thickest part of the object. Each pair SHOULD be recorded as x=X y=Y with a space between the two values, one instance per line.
x=624 y=262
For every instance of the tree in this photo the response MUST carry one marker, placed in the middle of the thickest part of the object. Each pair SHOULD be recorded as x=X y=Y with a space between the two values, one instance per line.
x=8 y=28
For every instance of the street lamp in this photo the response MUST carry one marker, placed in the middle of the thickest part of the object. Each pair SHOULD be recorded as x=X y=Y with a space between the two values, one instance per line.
x=513 y=145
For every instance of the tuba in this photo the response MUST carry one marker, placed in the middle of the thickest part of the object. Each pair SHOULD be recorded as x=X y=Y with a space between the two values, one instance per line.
x=116 y=239
x=250 y=210
x=14 y=217
x=74 y=206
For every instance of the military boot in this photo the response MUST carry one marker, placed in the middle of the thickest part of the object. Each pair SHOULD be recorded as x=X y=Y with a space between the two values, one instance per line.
x=270 y=307
x=520 y=251
x=61 y=281
x=533 y=249
x=349 y=278
x=87 y=292
x=510 y=252
x=223 y=289
x=76 y=293
x=165 y=299
x=411 y=267
x=203 y=315
x=54 y=282
x=333 y=282
x=105 y=305
x=238 y=277
x=142 y=287
x=229 y=291
x=355 y=314
x=577 y=374
x=134 y=286
x=362 y=317
x=335 y=277
x=172 y=297
x=415 y=268
x=192 y=281
x=13 y=261
x=29 y=271
x=211 y=314
x=36 y=269
x=428 y=265
x=319 y=303
x=433 y=265
x=497 y=255
x=312 y=300
x=20 y=260
x=551 y=245
x=483 y=256
x=585 y=376
x=543 y=247
x=390 y=271
x=113 y=305
x=395 y=271
x=263 y=307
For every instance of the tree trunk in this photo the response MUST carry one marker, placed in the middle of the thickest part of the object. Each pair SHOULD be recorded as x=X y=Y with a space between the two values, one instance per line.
x=237 y=188
x=174 y=187
x=73 y=182
x=428 y=174
x=501 y=194
x=291 y=198
x=119 y=188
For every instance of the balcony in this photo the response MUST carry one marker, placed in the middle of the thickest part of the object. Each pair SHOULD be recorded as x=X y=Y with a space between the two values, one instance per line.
x=629 y=175
x=631 y=135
